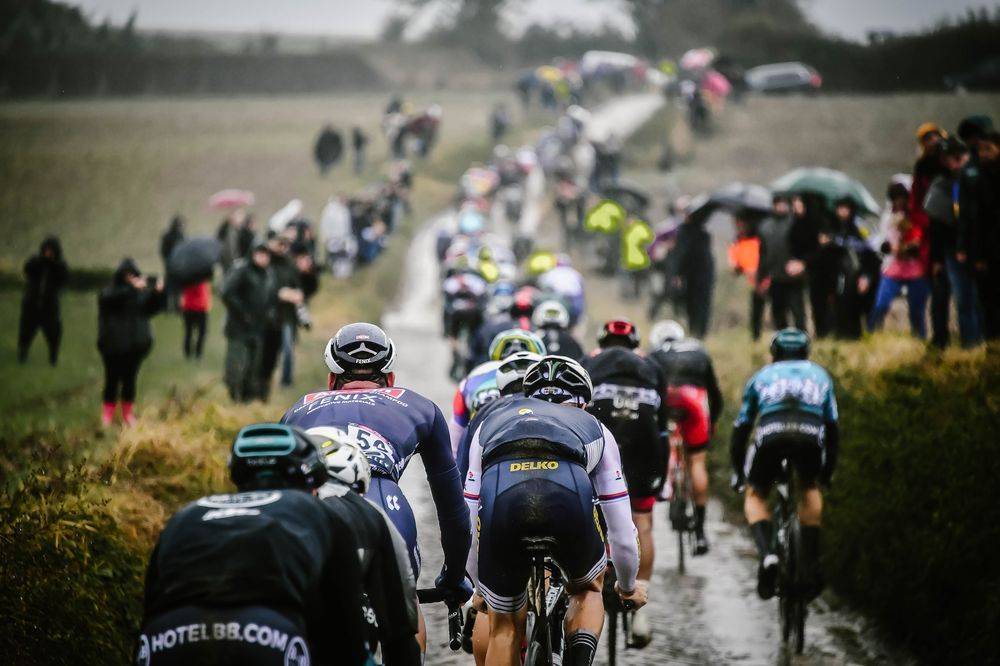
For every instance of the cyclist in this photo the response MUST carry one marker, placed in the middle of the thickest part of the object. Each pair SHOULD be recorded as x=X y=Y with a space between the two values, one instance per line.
x=267 y=575
x=392 y=424
x=795 y=409
x=465 y=292
x=480 y=387
x=693 y=395
x=551 y=320
x=566 y=282
x=536 y=466
x=518 y=316
x=628 y=401
x=390 y=594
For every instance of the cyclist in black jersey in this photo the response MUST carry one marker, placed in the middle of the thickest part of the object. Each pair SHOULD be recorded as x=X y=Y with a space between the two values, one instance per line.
x=628 y=400
x=267 y=575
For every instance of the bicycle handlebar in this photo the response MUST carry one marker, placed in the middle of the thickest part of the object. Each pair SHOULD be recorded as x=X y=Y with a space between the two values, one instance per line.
x=433 y=595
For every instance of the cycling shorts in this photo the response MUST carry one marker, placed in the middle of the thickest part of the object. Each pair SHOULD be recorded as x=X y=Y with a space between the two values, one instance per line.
x=455 y=321
x=388 y=496
x=250 y=636
x=642 y=504
x=535 y=497
x=690 y=403
x=778 y=437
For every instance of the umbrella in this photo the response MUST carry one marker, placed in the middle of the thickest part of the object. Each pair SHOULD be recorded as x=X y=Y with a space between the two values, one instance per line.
x=631 y=197
x=697 y=59
x=193 y=260
x=828 y=183
x=285 y=215
x=735 y=198
x=716 y=84
x=230 y=199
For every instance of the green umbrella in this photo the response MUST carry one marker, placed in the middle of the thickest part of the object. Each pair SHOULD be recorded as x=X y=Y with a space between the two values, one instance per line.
x=828 y=183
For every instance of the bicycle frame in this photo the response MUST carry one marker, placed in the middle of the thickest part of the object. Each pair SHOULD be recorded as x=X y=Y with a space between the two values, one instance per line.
x=547 y=604
x=787 y=545
x=679 y=491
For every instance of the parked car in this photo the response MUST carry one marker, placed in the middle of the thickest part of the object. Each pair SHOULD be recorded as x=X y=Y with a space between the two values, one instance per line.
x=784 y=77
x=984 y=76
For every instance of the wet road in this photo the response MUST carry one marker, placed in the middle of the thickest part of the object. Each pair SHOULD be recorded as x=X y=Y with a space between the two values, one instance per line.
x=711 y=615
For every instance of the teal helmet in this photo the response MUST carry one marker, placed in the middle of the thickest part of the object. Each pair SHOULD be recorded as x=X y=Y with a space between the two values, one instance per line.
x=790 y=344
x=274 y=456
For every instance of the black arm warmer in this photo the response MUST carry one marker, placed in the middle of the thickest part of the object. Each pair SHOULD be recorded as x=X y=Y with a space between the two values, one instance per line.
x=832 y=444
x=738 y=446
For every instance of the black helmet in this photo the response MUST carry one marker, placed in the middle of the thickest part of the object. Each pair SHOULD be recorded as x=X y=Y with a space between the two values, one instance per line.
x=272 y=455
x=619 y=331
x=790 y=344
x=557 y=378
x=360 y=349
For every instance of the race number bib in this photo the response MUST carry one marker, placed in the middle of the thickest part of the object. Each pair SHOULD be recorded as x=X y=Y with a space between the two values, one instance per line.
x=380 y=453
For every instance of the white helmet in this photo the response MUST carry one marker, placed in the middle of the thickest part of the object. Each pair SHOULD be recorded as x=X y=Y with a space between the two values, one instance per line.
x=511 y=370
x=345 y=460
x=664 y=332
x=550 y=313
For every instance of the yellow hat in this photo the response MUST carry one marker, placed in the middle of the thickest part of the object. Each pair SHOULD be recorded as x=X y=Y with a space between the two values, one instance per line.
x=928 y=128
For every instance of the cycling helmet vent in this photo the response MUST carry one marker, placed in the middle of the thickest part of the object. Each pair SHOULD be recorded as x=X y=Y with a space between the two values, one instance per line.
x=665 y=332
x=619 y=331
x=360 y=348
x=344 y=457
x=558 y=378
x=510 y=372
x=275 y=456
x=514 y=340
x=790 y=344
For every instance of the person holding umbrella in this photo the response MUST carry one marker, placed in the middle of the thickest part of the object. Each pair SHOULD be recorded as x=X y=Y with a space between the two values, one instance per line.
x=124 y=337
x=45 y=275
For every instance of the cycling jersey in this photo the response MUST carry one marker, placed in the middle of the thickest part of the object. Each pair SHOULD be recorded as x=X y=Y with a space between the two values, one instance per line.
x=522 y=456
x=795 y=409
x=475 y=391
x=686 y=363
x=558 y=341
x=627 y=400
x=390 y=595
x=392 y=425
x=464 y=299
x=223 y=557
x=567 y=283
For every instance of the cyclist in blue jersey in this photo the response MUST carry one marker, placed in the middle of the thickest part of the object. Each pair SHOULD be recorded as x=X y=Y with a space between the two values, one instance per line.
x=392 y=424
x=793 y=405
x=538 y=467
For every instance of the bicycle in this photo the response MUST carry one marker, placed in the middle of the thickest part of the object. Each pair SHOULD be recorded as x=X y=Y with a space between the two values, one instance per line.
x=618 y=613
x=547 y=603
x=679 y=494
x=787 y=545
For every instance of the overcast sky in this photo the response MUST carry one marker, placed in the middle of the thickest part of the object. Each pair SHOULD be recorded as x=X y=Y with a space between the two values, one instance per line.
x=363 y=18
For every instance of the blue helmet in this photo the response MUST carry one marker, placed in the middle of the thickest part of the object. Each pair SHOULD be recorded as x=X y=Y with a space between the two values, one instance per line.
x=274 y=456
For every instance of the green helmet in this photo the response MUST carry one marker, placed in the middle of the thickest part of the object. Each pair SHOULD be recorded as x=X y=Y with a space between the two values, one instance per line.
x=790 y=344
x=513 y=340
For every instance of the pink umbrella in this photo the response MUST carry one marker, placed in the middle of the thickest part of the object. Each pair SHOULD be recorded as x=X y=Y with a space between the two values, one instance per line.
x=716 y=83
x=697 y=59
x=230 y=199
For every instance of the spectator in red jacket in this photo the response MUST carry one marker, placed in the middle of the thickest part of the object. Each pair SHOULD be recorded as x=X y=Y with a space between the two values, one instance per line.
x=196 y=301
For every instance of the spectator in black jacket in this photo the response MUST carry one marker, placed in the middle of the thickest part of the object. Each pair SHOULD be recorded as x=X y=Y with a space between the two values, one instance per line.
x=695 y=267
x=248 y=293
x=124 y=337
x=359 y=141
x=45 y=275
x=857 y=271
x=984 y=236
x=329 y=146
x=781 y=272
x=171 y=238
x=279 y=332
x=975 y=194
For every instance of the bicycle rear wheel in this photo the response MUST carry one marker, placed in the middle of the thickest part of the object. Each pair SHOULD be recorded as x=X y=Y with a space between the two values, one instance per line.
x=612 y=638
x=539 y=652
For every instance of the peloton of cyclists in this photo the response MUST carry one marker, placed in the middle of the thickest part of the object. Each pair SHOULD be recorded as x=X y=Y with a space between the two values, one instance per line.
x=628 y=400
x=794 y=407
x=693 y=396
x=510 y=496
x=392 y=424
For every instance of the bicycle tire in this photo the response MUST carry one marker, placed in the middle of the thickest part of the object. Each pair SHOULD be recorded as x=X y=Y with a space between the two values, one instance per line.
x=798 y=603
x=612 y=638
x=680 y=552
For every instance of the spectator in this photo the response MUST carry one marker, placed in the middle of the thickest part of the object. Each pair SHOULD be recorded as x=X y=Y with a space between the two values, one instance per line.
x=744 y=259
x=906 y=267
x=974 y=197
x=928 y=167
x=808 y=219
x=124 y=337
x=196 y=301
x=281 y=322
x=246 y=236
x=171 y=238
x=942 y=204
x=328 y=149
x=781 y=274
x=359 y=141
x=499 y=122
x=857 y=271
x=45 y=275
x=696 y=270
x=248 y=295
x=984 y=236
x=229 y=235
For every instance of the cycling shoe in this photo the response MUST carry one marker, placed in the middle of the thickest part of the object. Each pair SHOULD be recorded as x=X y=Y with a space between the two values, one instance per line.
x=700 y=545
x=767 y=576
x=642 y=632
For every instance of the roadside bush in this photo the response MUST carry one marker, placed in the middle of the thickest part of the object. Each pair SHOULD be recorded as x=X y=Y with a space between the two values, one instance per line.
x=913 y=524
x=70 y=577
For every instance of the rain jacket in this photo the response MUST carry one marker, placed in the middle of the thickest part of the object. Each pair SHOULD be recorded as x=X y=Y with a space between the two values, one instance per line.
x=123 y=314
